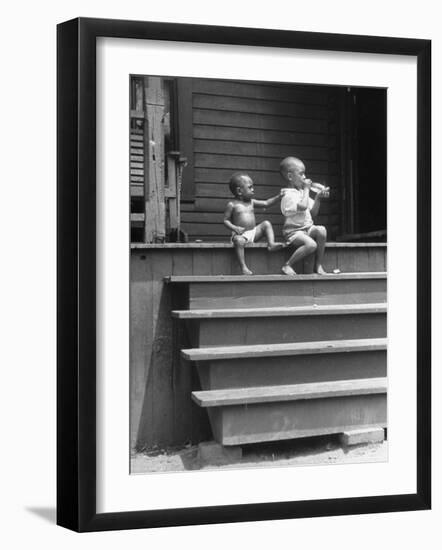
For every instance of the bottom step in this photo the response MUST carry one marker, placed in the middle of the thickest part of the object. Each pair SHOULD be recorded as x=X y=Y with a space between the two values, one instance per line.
x=328 y=408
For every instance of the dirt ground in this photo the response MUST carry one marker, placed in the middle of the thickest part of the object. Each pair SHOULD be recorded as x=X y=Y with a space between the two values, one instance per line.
x=318 y=450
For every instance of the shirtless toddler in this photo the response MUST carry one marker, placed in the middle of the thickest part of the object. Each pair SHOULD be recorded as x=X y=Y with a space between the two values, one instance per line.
x=239 y=217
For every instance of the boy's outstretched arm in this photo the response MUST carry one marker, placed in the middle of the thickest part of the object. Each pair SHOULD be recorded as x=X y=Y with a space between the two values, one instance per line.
x=227 y=220
x=268 y=202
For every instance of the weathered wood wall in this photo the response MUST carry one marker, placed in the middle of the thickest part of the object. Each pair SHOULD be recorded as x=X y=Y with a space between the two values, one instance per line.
x=162 y=412
x=252 y=126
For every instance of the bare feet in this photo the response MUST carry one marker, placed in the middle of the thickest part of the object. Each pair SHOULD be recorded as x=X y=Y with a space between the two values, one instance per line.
x=246 y=271
x=320 y=270
x=275 y=246
x=287 y=270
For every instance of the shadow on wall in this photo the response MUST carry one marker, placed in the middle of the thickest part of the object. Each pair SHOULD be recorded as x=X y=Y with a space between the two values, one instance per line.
x=168 y=415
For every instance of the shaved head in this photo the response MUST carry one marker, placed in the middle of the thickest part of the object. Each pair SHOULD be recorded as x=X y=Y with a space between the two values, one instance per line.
x=288 y=164
x=236 y=180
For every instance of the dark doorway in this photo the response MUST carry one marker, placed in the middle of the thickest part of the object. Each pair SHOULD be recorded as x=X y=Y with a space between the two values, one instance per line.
x=368 y=153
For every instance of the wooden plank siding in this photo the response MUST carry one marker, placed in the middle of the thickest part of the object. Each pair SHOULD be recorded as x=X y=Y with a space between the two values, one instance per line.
x=252 y=126
x=161 y=410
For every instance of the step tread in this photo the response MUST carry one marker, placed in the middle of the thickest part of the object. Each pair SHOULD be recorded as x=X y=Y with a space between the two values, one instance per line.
x=292 y=392
x=272 y=350
x=220 y=244
x=288 y=311
x=279 y=278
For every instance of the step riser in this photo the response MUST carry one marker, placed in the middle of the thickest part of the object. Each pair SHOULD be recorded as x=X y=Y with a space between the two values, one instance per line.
x=351 y=260
x=279 y=294
x=262 y=330
x=301 y=369
x=237 y=425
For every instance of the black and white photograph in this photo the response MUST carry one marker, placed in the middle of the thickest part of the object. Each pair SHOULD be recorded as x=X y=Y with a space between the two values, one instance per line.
x=219 y=235
x=258 y=274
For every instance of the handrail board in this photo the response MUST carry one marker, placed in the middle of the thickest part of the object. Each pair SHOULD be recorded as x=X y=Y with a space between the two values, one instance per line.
x=274 y=350
x=345 y=309
x=279 y=278
x=292 y=392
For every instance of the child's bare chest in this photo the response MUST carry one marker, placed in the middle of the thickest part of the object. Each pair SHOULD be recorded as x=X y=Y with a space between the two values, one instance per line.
x=243 y=208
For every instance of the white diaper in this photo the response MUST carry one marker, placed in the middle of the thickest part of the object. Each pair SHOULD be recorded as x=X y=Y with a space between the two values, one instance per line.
x=248 y=235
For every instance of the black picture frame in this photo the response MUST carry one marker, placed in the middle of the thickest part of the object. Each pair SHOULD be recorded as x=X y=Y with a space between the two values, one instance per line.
x=77 y=287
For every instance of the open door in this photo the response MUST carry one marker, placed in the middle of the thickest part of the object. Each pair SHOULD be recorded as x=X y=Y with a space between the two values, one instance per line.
x=366 y=186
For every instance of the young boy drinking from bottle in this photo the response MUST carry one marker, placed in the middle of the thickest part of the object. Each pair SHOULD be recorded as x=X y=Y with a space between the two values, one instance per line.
x=299 y=211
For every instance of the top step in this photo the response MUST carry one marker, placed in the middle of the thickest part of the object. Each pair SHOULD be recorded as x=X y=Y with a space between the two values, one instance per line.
x=260 y=291
x=178 y=279
x=227 y=244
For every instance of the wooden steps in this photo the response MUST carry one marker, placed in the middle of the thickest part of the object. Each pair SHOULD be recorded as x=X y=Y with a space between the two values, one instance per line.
x=282 y=357
x=293 y=392
x=274 y=421
x=278 y=350
x=235 y=326
x=239 y=291
x=240 y=372
x=266 y=278
x=288 y=311
x=285 y=364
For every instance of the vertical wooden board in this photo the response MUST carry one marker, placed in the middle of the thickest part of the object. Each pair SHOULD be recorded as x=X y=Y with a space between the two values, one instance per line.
x=330 y=260
x=172 y=214
x=222 y=261
x=182 y=264
x=344 y=262
x=139 y=94
x=348 y=260
x=202 y=261
x=250 y=259
x=362 y=259
x=308 y=265
x=234 y=265
x=200 y=420
x=162 y=355
x=275 y=261
x=185 y=134
x=256 y=260
x=155 y=228
x=376 y=258
x=141 y=341
x=333 y=157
